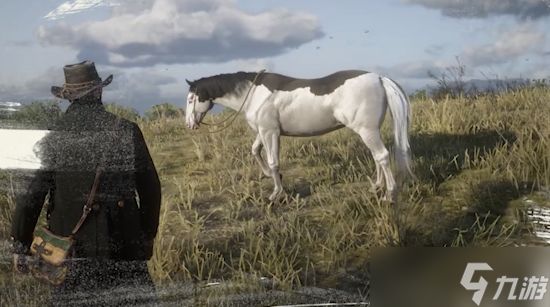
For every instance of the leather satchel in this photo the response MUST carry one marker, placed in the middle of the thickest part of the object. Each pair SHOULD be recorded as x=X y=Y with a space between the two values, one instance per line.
x=51 y=251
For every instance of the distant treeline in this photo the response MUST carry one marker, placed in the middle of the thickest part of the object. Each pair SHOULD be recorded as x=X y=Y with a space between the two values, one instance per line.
x=475 y=88
x=451 y=83
x=43 y=114
x=39 y=114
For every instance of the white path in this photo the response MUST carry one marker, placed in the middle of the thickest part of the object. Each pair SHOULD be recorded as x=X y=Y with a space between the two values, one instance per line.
x=18 y=148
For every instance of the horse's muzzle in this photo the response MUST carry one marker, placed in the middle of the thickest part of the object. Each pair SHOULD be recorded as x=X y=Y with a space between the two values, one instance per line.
x=192 y=123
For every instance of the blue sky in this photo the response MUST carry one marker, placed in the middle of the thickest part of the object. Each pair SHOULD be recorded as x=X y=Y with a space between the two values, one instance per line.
x=151 y=46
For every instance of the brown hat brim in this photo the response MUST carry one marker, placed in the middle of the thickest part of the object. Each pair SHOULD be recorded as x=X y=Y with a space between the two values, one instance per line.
x=65 y=92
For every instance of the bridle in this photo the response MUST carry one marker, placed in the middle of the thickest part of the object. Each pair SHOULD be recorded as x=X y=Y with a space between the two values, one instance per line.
x=230 y=118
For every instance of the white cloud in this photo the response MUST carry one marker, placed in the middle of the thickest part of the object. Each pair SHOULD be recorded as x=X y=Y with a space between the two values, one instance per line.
x=255 y=65
x=508 y=46
x=435 y=50
x=137 y=88
x=483 y=8
x=150 y=32
x=413 y=69
x=36 y=88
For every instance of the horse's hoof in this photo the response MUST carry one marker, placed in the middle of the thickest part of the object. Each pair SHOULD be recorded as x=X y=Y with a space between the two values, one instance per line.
x=275 y=196
x=376 y=188
x=392 y=199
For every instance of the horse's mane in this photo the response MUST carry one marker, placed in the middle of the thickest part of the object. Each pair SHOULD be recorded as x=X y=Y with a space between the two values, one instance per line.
x=213 y=87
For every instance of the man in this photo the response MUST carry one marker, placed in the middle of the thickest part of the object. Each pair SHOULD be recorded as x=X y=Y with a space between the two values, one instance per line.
x=116 y=239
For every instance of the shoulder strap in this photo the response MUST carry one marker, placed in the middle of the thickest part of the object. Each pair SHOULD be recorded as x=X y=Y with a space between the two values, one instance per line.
x=88 y=207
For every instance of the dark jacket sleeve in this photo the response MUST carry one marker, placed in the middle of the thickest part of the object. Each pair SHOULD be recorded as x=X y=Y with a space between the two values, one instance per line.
x=147 y=185
x=27 y=210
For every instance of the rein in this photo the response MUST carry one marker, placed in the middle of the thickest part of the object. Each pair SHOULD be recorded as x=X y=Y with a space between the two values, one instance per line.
x=234 y=116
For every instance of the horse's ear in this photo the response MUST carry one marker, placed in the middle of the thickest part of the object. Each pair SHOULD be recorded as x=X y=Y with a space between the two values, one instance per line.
x=189 y=82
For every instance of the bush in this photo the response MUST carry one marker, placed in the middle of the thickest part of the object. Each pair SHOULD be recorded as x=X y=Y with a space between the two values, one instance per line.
x=164 y=110
x=419 y=95
x=450 y=83
x=41 y=114
x=128 y=113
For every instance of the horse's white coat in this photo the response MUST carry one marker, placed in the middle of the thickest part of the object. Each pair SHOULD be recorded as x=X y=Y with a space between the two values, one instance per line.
x=359 y=104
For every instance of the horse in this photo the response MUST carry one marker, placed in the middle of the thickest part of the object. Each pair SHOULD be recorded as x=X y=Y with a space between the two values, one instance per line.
x=276 y=105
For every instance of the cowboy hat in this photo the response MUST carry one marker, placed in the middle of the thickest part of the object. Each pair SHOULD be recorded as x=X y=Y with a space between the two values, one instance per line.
x=80 y=79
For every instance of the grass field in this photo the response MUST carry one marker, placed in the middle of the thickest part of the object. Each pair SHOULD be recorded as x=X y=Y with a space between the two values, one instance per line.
x=477 y=162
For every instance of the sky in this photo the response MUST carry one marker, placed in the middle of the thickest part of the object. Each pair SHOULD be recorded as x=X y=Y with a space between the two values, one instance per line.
x=152 y=46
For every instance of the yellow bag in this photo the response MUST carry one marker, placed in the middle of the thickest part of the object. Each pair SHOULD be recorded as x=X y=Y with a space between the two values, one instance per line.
x=51 y=251
x=52 y=248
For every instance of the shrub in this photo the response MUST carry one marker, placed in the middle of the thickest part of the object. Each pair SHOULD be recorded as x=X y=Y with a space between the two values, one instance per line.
x=40 y=114
x=164 y=110
x=128 y=113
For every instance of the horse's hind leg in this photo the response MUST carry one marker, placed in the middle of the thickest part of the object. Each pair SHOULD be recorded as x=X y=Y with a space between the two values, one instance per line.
x=256 y=152
x=270 y=139
x=378 y=184
x=373 y=140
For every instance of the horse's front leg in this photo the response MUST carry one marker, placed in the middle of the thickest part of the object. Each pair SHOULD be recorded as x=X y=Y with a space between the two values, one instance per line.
x=270 y=139
x=257 y=153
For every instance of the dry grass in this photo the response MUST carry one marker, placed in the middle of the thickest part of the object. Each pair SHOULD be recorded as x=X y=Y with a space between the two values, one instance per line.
x=473 y=158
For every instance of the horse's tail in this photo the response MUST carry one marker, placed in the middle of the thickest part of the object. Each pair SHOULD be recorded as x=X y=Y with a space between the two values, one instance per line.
x=401 y=114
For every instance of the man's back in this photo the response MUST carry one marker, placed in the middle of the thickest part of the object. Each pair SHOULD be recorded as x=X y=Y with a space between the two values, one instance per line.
x=85 y=138
x=117 y=236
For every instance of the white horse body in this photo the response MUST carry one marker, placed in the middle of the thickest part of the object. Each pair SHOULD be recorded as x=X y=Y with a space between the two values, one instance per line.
x=359 y=103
